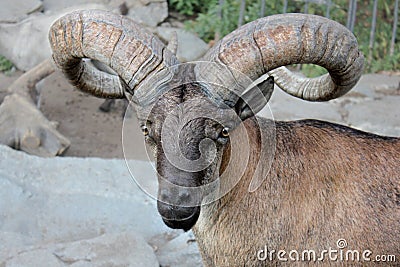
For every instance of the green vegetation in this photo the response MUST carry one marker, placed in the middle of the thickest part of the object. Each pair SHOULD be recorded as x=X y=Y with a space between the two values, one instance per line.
x=312 y=70
x=206 y=21
x=5 y=64
x=190 y=7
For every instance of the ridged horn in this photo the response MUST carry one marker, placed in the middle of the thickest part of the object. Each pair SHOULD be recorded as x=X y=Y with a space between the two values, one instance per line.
x=267 y=44
x=131 y=51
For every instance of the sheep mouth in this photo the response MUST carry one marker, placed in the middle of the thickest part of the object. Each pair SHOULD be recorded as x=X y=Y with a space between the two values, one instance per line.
x=186 y=223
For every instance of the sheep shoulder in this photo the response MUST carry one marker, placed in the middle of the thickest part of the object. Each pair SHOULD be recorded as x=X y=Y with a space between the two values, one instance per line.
x=326 y=182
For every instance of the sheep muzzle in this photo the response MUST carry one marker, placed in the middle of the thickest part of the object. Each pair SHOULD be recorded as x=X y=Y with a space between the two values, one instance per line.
x=177 y=217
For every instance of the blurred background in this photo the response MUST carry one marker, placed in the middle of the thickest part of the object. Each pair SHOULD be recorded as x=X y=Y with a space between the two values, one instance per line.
x=373 y=22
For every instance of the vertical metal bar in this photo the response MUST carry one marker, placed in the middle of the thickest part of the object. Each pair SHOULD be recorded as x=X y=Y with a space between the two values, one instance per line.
x=220 y=4
x=217 y=35
x=395 y=21
x=306 y=7
x=285 y=4
x=241 y=14
x=372 y=33
x=349 y=14
x=353 y=15
x=262 y=11
x=328 y=8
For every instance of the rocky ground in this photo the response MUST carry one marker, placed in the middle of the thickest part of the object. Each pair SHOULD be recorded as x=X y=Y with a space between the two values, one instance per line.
x=83 y=209
x=82 y=212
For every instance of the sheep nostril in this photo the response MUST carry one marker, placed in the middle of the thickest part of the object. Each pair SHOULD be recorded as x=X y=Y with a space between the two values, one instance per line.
x=184 y=197
x=164 y=196
x=181 y=199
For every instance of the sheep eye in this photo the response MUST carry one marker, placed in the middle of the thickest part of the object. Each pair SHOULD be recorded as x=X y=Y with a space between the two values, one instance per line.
x=145 y=130
x=225 y=132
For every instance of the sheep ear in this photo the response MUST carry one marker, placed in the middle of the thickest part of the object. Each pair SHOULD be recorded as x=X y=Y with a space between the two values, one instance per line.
x=254 y=99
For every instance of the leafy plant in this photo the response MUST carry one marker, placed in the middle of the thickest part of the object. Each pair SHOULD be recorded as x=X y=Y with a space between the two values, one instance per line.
x=189 y=7
x=214 y=21
x=5 y=64
x=311 y=70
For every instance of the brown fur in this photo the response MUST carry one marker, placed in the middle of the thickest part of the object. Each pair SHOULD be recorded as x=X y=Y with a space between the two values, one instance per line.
x=326 y=182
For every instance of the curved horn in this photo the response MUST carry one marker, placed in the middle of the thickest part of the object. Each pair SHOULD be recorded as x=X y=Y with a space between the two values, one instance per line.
x=266 y=44
x=114 y=40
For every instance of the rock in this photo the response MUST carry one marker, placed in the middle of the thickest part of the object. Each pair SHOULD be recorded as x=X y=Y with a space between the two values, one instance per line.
x=150 y=14
x=69 y=199
x=376 y=117
x=73 y=210
x=366 y=107
x=6 y=80
x=123 y=249
x=372 y=84
x=283 y=106
x=72 y=198
x=372 y=105
x=56 y=5
x=38 y=257
x=15 y=11
x=190 y=47
x=20 y=42
x=182 y=251
x=11 y=243
x=26 y=43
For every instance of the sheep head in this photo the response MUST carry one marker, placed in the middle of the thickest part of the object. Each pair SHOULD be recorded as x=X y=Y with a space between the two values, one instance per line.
x=189 y=133
x=191 y=114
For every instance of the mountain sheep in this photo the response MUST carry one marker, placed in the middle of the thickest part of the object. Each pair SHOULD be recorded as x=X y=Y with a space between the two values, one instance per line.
x=248 y=186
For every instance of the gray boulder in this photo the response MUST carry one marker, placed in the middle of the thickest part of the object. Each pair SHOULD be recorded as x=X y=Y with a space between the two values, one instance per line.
x=55 y=6
x=17 y=10
x=181 y=251
x=283 y=106
x=26 y=43
x=124 y=249
x=190 y=47
x=367 y=107
x=149 y=13
x=72 y=209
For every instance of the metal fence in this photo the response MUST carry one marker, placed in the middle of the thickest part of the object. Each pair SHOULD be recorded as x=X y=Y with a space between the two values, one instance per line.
x=351 y=10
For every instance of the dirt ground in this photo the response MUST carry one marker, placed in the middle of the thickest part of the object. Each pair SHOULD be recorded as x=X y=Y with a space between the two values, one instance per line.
x=92 y=132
